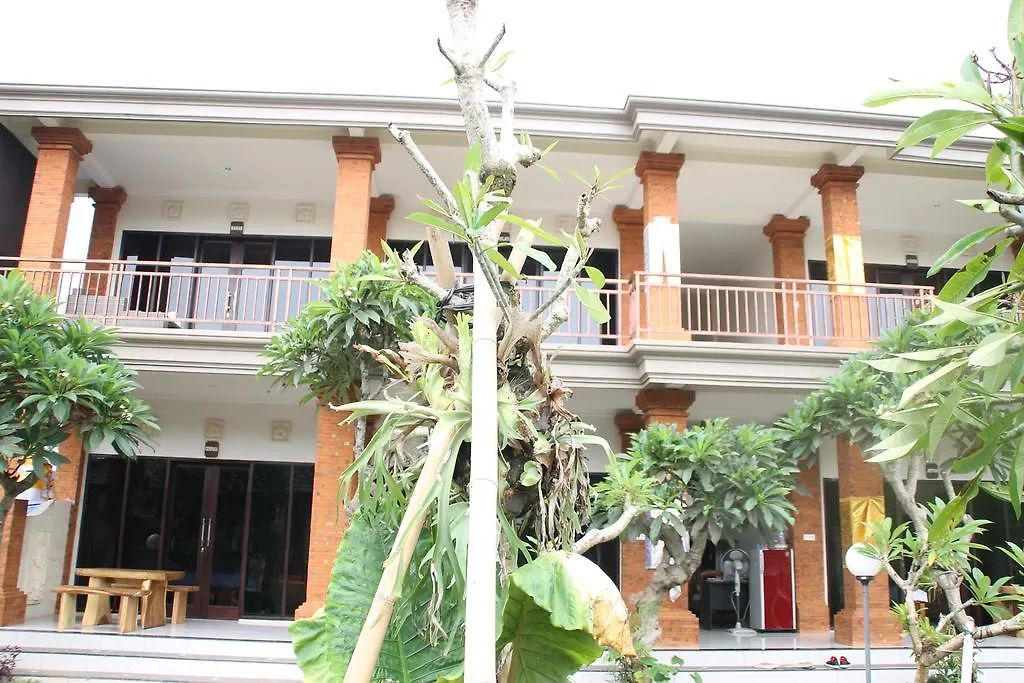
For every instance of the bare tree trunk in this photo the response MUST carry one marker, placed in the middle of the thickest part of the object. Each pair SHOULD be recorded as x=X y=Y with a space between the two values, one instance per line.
x=12 y=489
x=921 y=673
x=665 y=577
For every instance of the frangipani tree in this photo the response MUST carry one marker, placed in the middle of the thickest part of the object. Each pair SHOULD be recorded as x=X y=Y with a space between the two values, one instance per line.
x=709 y=482
x=972 y=381
x=58 y=376
x=935 y=549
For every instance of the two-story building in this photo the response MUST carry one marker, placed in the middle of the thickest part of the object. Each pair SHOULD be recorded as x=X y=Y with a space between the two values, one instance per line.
x=800 y=236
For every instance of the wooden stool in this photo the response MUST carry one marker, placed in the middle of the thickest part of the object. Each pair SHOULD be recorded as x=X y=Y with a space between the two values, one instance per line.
x=180 y=604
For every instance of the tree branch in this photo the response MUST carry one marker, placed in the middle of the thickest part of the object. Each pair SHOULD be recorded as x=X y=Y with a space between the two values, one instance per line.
x=571 y=266
x=955 y=643
x=614 y=530
x=949 y=583
x=411 y=272
x=404 y=138
x=494 y=46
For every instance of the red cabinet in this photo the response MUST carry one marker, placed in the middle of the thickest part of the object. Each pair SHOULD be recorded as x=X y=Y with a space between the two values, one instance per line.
x=772 y=590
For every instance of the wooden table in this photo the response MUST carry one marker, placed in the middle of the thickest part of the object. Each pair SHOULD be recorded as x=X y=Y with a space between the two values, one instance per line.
x=154 y=608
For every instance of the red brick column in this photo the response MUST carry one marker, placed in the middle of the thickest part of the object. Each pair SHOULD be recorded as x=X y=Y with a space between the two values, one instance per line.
x=68 y=486
x=808 y=542
x=630 y=223
x=786 y=236
x=844 y=252
x=107 y=202
x=53 y=189
x=663 y=305
x=334 y=442
x=380 y=213
x=357 y=158
x=861 y=498
x=12 y=600
x=633 y=572
x=679 y=626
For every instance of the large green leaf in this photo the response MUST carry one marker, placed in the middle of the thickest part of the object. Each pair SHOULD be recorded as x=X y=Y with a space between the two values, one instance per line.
x=324 y=644
x=964 y=91
x=945 y=125
x=548 y=621
x=963 y=244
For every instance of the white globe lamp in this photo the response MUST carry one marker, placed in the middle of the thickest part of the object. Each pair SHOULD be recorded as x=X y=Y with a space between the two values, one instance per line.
x=864 y=568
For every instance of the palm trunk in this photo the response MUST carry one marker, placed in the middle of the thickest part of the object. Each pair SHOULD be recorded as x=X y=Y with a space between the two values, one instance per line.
x=371 y=638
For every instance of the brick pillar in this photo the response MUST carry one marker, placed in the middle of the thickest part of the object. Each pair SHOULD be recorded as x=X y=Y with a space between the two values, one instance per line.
x=630 y=223
x=357 y=158
x=380 y=212
x=49 y=206
x=662 y=307
x=679 y=626
x=786 y=236
x=808 y=543
x=12 y=600
x=107 y=203
x=844 y=253
x=861 y=498
x=334 y=442
x=68 y=486
x=633 y=572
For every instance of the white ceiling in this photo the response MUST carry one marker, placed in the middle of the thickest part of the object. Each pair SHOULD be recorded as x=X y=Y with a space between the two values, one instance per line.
x=729 y=187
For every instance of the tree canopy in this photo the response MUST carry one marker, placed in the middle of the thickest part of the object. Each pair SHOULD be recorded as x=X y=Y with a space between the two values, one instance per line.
x=59 y=376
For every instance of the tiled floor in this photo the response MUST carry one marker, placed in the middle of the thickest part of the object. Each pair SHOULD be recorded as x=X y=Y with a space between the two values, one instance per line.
x=276 y=631
x=721 y=639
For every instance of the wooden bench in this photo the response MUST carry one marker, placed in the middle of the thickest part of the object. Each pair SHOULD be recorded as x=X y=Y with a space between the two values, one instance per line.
x=127 y=611
x=180 y=604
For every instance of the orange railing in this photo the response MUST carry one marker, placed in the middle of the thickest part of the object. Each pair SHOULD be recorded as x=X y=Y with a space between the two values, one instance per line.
x=772 y=310
x=178 y=294
x=261 y=298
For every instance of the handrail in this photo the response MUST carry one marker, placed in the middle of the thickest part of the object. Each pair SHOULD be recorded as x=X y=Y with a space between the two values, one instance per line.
x=679 y=306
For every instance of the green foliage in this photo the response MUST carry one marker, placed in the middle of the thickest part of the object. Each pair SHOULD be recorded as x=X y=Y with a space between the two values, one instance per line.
x=548 y=622
x=59 y=375
x=647 y=668
x=727 y=479
x=423 y=642
x=366 y=302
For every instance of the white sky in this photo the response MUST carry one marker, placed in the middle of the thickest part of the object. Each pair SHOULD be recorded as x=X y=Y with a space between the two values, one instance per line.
x=823 y=53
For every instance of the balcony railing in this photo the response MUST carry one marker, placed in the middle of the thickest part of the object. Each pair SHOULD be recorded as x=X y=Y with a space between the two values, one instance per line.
x=262 y=298
x=767 y=310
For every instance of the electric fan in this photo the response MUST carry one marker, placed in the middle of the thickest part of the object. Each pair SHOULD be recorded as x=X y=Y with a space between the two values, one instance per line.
x=736 y=562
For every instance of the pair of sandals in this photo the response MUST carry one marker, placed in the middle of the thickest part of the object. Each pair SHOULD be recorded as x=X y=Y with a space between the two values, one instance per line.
x=841 y=663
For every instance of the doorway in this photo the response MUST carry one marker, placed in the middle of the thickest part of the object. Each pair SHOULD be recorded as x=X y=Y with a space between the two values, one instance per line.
x=206 y=534
x=236 y=287
x=239 y=530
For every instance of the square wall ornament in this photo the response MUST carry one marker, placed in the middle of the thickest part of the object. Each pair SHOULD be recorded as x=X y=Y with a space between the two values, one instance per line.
x=172 y=210
x=305 y=213
x=281 y=430
x=213 y=428
x=238 y=212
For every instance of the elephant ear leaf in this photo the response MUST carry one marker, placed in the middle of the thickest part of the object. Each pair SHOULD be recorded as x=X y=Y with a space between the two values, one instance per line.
x=549 y=619
x=323 y=644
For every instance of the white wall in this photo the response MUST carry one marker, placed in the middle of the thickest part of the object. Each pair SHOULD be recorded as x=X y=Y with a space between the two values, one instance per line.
x=42 y=558
x=246 y=430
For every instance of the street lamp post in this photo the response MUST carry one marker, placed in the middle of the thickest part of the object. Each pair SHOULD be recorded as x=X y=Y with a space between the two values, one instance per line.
x=864 y=568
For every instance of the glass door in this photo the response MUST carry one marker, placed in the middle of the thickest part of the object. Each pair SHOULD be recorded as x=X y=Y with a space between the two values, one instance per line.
x=206 y=534
x=233 y=285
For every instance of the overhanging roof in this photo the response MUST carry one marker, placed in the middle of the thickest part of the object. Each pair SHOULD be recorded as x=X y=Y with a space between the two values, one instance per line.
x=637 y=116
